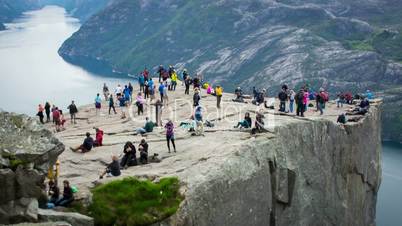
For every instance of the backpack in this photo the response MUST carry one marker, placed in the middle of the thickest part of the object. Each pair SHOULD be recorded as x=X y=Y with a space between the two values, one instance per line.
x=325 y=96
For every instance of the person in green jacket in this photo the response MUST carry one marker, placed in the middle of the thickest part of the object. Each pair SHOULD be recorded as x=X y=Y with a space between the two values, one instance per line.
x=148 y=128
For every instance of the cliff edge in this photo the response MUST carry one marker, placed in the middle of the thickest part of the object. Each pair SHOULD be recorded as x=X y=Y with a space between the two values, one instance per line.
x=304 y=171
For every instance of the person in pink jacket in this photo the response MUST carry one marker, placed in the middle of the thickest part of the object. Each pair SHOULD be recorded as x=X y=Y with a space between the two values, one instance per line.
x=140 y=103
x=306 y=99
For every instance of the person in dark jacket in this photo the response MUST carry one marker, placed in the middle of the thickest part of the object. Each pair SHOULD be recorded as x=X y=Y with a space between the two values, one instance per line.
x=129 y=158
x=113 y=169
x=196 y=97
x=68 y=196
x=73 y=111
x=143 y=148
x=187 y=83
x=283 y=97
x=86 y=146
x=320 y=102
x=47 y=111
x=54 y=192
x=299 y=103
x=341 y=119
x=111 y=104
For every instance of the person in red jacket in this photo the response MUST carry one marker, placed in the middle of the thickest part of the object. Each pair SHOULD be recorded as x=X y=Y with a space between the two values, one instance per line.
x=98 y=137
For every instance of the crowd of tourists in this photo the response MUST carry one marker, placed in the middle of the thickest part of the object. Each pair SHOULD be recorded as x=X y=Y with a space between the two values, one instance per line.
x=154 y=91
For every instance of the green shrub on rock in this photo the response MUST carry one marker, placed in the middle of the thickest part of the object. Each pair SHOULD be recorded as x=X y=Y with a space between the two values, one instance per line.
x=134 y=202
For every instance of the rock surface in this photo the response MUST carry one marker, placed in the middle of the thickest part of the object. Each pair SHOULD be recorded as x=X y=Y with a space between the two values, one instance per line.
x=306 y=171
x=75 y=219
x=27 y=149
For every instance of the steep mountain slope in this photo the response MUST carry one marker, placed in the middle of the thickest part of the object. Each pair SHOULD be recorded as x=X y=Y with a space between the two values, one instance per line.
x=337 y=44
x=10 y=9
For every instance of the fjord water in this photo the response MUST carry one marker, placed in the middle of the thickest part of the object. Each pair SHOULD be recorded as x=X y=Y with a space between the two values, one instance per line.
x=31 y=72
x=389 y=204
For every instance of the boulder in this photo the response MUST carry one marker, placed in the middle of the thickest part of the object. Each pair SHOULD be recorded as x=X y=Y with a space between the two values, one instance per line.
x=75 y=219
x=27 y=150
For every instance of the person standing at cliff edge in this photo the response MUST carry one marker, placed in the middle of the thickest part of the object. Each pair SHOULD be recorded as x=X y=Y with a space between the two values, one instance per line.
x=219 y=93
x=47 y=111
x=299 y=98
x=40 y=113
x=73 y=111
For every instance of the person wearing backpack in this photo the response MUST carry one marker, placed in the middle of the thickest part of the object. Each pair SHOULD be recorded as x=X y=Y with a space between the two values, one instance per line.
x=299 y=98
x=320 y=102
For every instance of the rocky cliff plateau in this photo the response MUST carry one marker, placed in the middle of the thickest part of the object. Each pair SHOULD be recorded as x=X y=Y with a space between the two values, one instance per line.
x=305 y=171
x=336 y=44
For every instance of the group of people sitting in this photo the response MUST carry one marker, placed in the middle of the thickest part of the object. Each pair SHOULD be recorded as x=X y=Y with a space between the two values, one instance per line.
x=54 y=197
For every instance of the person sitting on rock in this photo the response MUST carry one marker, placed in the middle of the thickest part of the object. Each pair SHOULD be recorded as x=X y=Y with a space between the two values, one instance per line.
x=86 y=146
x=148 y=127
x=129 y=158
x=68 y=196
x=260 y=99
x=239 y=95
x=54 y=192
x=98 y=137
x=259 y=124
x=190 y=124
x=341 y=119
x=143 y=149
x=246 y=123
x=113 y=169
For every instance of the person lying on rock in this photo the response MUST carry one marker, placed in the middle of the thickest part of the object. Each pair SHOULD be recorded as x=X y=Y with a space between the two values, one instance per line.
x=86 y=146
x=143 y=149
x=68 y=196
x=362 y=109
x=113 y=169
x=246 y=123
x=129 y=158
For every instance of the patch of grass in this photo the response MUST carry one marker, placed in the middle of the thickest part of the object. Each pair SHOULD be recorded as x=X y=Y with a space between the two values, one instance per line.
x=17 y=120
x=14 y=163
x=134 y=202
x=360 y=45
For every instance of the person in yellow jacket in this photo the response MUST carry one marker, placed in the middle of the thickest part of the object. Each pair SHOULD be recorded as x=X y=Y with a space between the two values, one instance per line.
x=54 y=172
x=174 y=81
x=218 y=93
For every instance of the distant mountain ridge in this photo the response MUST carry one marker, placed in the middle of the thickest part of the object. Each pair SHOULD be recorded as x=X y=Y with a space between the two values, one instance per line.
x=82 y=9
